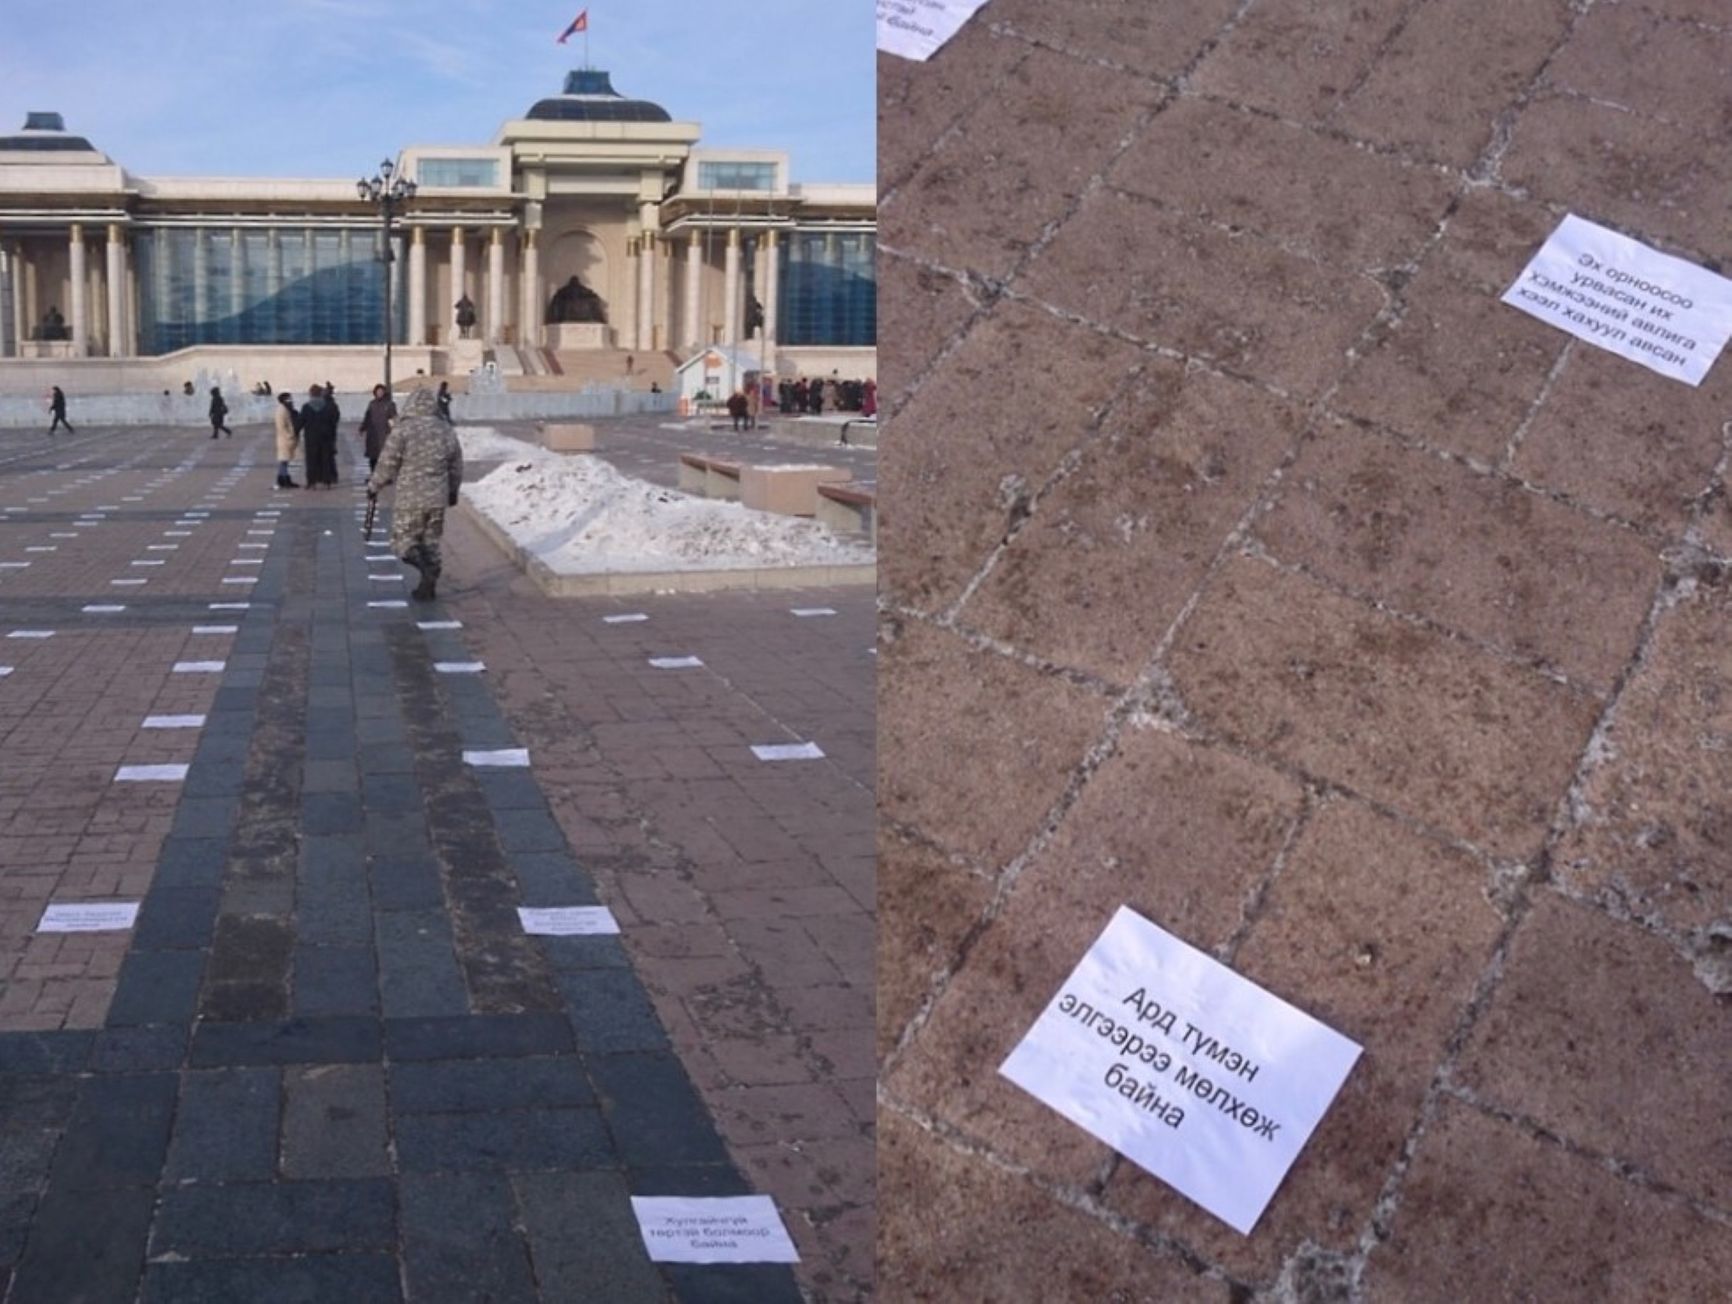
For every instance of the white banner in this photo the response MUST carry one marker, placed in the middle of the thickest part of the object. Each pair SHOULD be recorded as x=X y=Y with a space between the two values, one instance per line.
x=1190 y=1071
x=1670 y=316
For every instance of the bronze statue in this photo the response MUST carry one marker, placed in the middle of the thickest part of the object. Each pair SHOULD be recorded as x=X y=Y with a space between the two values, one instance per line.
x=574 y=301
x=53 y=326
x=465 y=316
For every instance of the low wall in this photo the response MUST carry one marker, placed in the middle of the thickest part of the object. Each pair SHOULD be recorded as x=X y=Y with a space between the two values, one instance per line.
x=177 y=409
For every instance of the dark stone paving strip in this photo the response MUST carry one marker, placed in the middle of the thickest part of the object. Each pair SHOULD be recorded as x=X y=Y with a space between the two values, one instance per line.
x=387 y=1084
x=502 y=968
x=248 y=972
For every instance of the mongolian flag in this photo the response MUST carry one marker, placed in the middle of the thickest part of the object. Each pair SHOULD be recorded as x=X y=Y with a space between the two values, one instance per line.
x=578 y=24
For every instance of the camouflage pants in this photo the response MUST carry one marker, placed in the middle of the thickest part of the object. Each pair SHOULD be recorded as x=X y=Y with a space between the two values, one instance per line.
x=418 y=529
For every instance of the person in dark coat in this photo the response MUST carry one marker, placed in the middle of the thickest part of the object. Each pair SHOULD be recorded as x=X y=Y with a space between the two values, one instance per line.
x=319 y=434
x=442 y=402
x=738 y=409
x=218 y=411
x=57 y=409
x=376 y=424
x=815 y=398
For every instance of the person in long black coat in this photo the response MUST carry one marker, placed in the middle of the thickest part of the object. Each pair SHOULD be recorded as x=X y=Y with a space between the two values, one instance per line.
x=219 y=411
x=376 y=424
x=319 y=433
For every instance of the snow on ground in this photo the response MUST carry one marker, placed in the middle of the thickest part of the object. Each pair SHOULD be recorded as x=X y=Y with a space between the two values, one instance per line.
x=579 y=515
x=485 y=444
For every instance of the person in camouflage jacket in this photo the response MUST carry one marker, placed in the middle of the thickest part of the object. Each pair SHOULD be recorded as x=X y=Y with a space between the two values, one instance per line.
x=424 y=459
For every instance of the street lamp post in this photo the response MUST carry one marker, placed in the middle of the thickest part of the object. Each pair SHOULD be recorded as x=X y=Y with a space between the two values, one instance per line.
x=387 y=192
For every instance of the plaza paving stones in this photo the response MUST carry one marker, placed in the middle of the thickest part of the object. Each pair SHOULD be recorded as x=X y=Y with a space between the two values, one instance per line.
x=1278 y=582
x=326 y=1062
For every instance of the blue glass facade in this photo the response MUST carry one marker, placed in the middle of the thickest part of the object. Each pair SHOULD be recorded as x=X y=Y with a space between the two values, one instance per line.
x=828 y=288
x=261 y=285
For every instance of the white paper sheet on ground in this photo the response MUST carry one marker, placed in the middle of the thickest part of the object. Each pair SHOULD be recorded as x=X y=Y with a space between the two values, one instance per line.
x=230 y=606
x=1190 y=1071
x=626 y=619
x=31 y=633
x=813 y=611
x=916 y=28
x=216 y=629
x=128 y=583
x=1666 y=314
x=459 y=667
x=675 y=663
x=499 y=756
x=5 y=670
x=150 y=774
x=198 y=667
x=713 y=1229
x=568 y=921
x=389 y=602
x=103 y=608
x=787 y=751
x=174 y=722
x=88 y=917
x=438 y=624
x=240 y=579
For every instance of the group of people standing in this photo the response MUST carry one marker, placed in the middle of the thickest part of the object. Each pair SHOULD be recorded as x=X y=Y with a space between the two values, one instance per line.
x=313 y=426
x=810 y=396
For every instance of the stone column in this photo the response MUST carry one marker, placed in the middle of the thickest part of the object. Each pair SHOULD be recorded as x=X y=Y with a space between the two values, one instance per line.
x=201 y=275
x=116 y=292
x=772 y=288
x=80 y=327
x=459 y=274
x=646 y=293
x=418 y=285
x=237 y=283
x=694 y=331
x=531 y=277
x=16 y=279
x=731 y=289
x=8 y=296
x=274 y=281
x=495 y=286
x=625 y=327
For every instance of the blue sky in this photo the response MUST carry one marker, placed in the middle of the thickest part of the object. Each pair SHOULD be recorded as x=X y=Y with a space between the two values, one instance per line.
x=326 y=88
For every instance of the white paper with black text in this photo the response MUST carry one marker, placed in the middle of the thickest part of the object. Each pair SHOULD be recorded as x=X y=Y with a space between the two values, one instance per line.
x=1190 y=1071
x=1661 y=312
x=713 y=1229
x=914 y=29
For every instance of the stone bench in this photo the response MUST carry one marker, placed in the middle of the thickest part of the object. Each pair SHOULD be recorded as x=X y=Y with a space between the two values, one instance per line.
x=569 y=436
x=710 y=476
x=848 y=511
x=790 y=490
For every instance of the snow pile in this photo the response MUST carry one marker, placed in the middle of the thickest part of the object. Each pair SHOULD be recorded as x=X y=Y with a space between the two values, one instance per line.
x=577 y=514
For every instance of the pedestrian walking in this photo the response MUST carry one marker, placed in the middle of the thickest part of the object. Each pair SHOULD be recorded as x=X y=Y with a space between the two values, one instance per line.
x=288 y=438
x=815 y=398
x=319 y=434
x=376 y=424
x=57 y=409
x=424 y=459
x=737 y=409
x=218 y=411
x=869 y=399
x=443 y=401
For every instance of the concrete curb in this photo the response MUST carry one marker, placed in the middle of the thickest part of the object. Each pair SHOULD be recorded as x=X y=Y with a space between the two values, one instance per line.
x=618 y=583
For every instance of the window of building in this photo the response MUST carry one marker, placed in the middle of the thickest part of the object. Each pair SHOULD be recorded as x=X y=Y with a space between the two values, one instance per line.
x=252 y=285
x=828 y=289
x=736 y=176
x=457 y=172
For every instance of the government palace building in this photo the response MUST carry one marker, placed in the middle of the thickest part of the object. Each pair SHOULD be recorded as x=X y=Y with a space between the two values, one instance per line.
x=593 y=227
